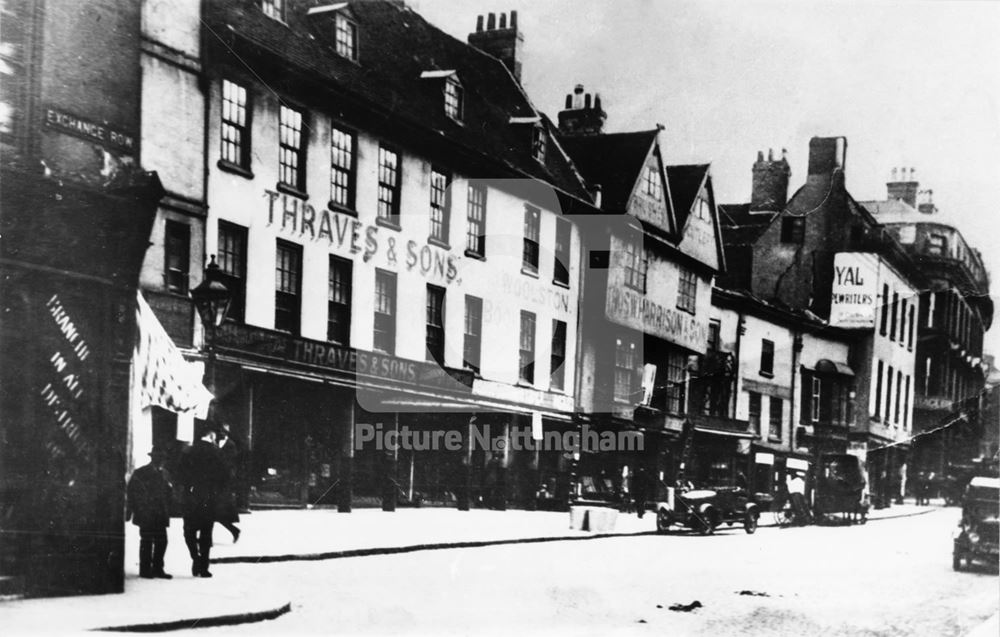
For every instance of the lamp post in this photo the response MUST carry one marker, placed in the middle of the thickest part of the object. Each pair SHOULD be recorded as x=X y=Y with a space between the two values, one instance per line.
x=211 y=298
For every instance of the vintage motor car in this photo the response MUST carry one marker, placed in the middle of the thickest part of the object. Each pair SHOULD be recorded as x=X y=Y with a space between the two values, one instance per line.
x=704 y=510
x=976 y=538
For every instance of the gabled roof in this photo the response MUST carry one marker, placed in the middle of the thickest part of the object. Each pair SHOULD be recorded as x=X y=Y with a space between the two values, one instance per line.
x=396 y=47
x=685 y=184
x=613 y=160
x=740 y=226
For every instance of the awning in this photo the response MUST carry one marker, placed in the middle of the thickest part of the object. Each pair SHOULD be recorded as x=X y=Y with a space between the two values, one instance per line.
x=726 y=433
x=825 y=366
x=165 y=378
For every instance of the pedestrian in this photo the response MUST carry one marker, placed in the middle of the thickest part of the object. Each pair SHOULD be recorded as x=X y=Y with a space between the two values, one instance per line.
x=227 y=508
x=149 y=495
x=796 y=485
x=202 y=473
x=640 y=491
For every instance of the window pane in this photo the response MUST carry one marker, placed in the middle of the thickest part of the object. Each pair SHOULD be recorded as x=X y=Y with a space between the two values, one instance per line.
x=561 y=269
x=290 y=166
x=529 y=257
x=439 y=206
x=558 y=357
x=475 y=238
x=527 y=347
x=342 y=168
x=388 y=184
x=473 y=332
x=231 y=259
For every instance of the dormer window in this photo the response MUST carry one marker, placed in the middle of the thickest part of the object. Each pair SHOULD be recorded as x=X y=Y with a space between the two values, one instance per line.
x=347 y=37
x=274 y=9
x=654 y=184
x=454 y=98
x=538 y=143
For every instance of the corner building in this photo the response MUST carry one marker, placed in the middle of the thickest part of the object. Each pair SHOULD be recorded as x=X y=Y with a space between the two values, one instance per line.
x=387 y=207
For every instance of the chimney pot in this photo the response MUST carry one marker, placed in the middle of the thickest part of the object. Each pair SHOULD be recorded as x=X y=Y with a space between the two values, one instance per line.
x=503 y=20
x=479 y=24
x=491 y=22
x=586 y=101
x=770 y=154
x=760 y=155
x=569 y=101
x=784 y=154
x=583 y=114
x=513 y=19
x=578 y=89
x=597 y=102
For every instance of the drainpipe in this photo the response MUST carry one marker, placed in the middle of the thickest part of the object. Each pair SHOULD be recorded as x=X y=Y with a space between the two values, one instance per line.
x=796 y=351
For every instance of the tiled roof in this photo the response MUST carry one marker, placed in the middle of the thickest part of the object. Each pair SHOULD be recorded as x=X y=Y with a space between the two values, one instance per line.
x=395 y=46
x=613 y=160
x=740 y=226
x=685 y=184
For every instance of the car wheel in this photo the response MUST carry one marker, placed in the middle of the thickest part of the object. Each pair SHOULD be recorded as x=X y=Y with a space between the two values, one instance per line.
x=956 y=561
x=750 y=523
x=662 y=521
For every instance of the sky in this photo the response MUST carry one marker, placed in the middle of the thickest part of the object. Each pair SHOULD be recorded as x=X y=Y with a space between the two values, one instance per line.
x=909 y=83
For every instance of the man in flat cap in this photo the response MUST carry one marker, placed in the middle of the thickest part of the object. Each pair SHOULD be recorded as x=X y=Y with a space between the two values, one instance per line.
x=149 y=497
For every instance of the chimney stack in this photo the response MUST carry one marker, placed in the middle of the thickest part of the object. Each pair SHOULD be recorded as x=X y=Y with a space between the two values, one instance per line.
x=503 y=42
x=904 y=186
x=583 y=114
x=927 y=206
x=770 y=182
x=827 y=155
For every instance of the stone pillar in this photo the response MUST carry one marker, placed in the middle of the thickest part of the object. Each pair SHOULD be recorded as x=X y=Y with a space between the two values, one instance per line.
x=346 y=477
x=465 y=488
x=502 y=471
x=390 y=487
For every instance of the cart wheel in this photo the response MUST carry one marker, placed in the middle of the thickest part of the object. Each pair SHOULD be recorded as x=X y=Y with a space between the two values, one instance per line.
x=662 y=521
x=750 y=523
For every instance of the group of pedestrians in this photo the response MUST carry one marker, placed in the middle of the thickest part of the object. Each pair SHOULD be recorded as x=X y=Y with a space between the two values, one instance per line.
x=208 y=472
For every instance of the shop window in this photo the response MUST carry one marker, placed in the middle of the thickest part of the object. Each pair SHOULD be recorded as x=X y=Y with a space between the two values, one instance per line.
x=235 y=128
x=177 y=242
x=636 y=266
x=440 y=208
x=232 y=260
x=529 y=253
x=714 y=335
x=774 y=418
x=388 y=185
x=793 y=230
x=287 y=282
x=766 y=358
x=626 y=366
x=342 y=168
x=454 y=98
x=473 y=333
x=687 y=289
x=338 y=325
x=291 y=149
x=560 y=268
x=435 y=324
x=753 y=412
x=526 y=354
x=816 y=399
x=557 y=371
x=346 y=37
x=654 y=183
x=475 y=233
x=676 y=363
x=385 y=312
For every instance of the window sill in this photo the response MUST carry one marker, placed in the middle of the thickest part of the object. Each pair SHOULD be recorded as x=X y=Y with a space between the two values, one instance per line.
x=525 y=384
x=686 y=310
x=434 y=241
x=527 y=270
x=236 y=169
x=562 y=284
x=475 y=255
x=291 y=190
x=336 y=207
x=774 y=440
x=387 y=223
x=766 y=374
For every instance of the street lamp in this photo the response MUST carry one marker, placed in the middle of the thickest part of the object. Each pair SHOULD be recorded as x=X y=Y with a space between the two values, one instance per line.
x=211 y=298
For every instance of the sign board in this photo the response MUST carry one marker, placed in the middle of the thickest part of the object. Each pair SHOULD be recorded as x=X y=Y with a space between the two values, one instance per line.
x=854 y=296
x=632 y=309
x=332 y=357
x=764 y=458
x=90 y=130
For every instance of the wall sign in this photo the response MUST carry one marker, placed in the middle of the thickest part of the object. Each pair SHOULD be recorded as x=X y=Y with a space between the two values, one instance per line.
x=852 y=301
x=329 y=356
x=90 y=130
x=634 y=310
x=345 y=232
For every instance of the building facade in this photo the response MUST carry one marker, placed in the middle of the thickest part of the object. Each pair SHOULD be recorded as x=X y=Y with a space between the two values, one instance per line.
x=77 y=211
x=956 y=309
x=393 y=229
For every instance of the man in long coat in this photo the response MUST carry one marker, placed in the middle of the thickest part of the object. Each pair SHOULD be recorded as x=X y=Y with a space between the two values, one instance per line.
x=203 y=474
x=149 y=494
